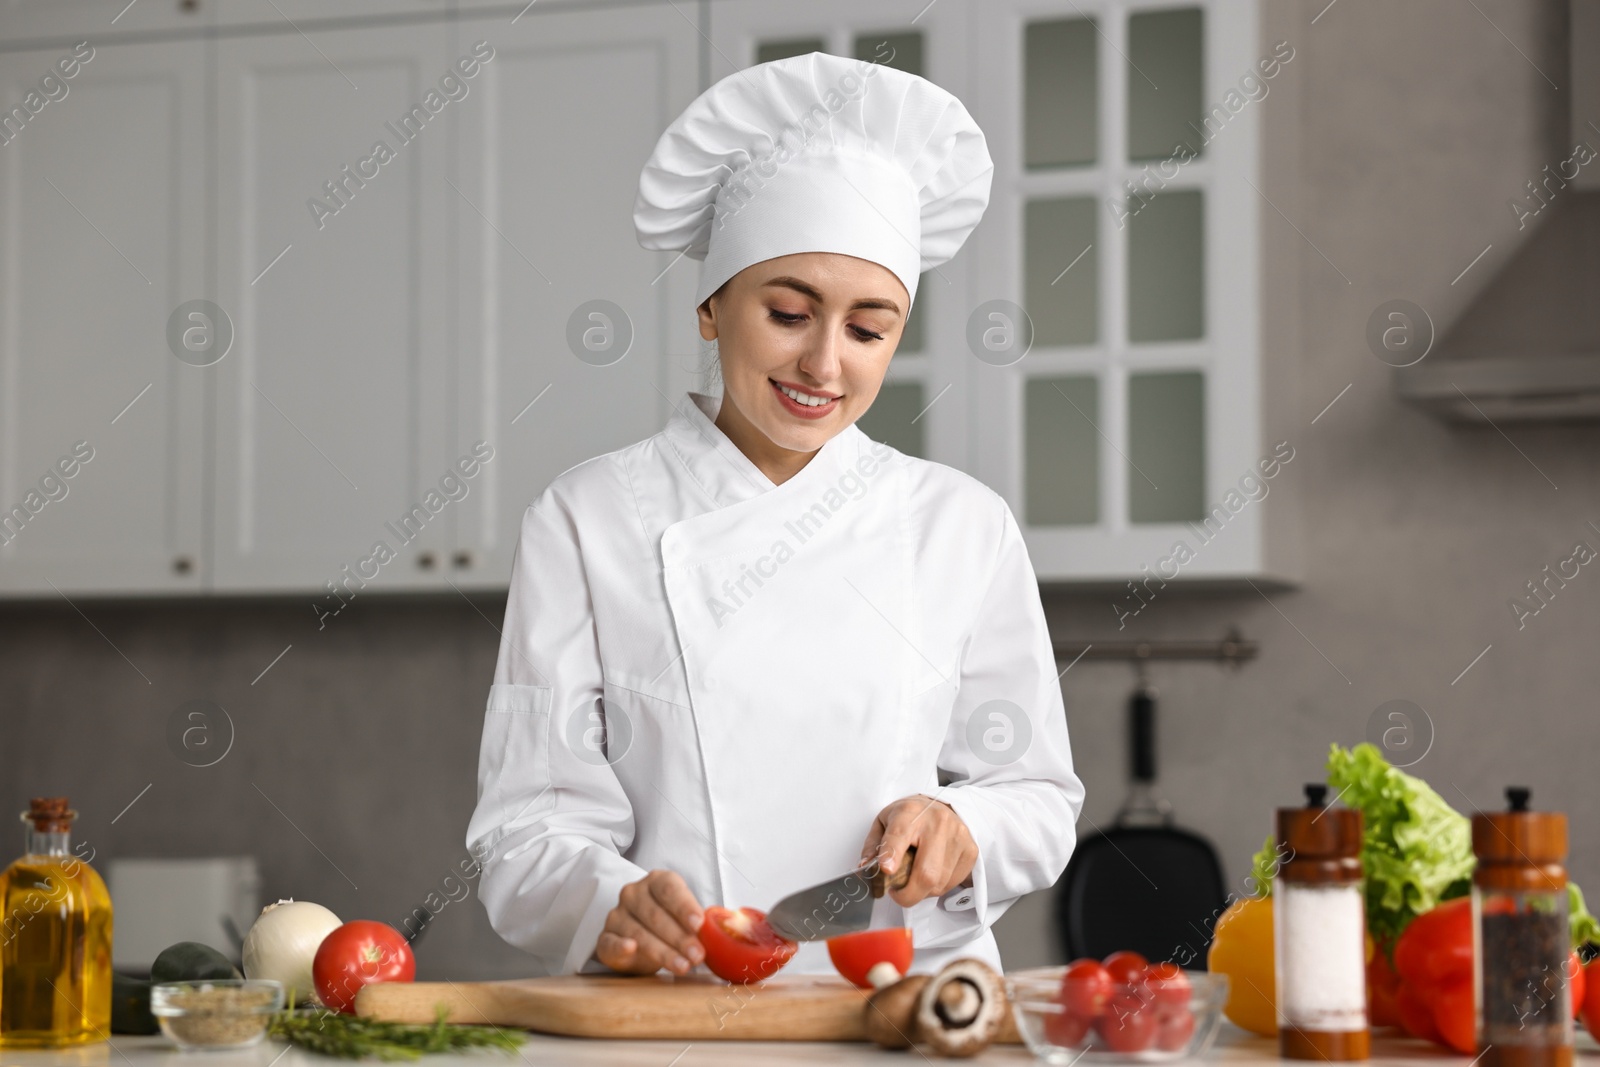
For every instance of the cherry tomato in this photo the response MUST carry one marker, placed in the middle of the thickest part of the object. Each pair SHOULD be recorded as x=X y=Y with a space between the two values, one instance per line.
x=1064 y=1029
x=356 y=954
x=853 y=955
x=1174 y=1028
x=1591 y=998
x=740 y=946
x=1128 y=1025
x=1169 y=986
x=1436 y=947
x=1416 y=1014
x=1453 y=1015
x=1126 y=968
x=1578 y=982
x=1085 y=989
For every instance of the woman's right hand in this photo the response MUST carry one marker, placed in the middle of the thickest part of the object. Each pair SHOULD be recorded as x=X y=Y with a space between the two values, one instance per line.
x=652 y=927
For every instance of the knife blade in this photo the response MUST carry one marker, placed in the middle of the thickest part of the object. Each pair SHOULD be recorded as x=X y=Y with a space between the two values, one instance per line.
x=841 y=905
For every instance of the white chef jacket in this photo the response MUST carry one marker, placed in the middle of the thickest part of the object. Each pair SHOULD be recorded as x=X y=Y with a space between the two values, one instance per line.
x=706 y=672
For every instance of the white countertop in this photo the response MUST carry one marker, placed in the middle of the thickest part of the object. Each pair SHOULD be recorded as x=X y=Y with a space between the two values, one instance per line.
x=1233 y=1046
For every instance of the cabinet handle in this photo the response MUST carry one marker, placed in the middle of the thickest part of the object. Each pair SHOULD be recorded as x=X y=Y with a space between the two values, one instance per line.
x=464 y=559
x=427 y=560
x=183 y=564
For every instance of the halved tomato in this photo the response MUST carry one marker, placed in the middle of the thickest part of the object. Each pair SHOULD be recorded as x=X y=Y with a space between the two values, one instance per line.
x=856 y=954
x=741 y=946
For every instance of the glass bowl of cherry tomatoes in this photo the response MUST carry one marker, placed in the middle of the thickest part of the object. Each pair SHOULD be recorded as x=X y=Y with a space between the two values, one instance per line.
x=1120 y=1009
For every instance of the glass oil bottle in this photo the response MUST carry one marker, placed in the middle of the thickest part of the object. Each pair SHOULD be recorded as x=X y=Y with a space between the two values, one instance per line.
x=55 y=939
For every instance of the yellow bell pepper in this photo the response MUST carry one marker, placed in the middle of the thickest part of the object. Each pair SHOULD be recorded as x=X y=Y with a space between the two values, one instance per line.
x=1241 y=948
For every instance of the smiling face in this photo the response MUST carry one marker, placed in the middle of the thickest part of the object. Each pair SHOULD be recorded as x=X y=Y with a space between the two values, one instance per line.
x=818 y=324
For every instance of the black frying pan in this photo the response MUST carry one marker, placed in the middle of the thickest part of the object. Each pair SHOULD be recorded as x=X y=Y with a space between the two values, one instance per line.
x=1143 y=883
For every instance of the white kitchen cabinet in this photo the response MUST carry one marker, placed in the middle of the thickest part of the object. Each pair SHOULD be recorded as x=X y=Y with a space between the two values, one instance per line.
x=334 y=260
x=573 y=341
x=102 y=222
x=1123 y=218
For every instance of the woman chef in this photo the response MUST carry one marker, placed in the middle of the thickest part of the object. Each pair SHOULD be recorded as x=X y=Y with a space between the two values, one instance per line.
x=746 y=654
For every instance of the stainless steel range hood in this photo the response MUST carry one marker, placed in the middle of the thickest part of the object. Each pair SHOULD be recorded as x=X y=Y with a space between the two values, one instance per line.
x=1529 y=346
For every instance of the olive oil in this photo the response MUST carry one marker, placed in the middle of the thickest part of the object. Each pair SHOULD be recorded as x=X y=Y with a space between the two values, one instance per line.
x=55 y=939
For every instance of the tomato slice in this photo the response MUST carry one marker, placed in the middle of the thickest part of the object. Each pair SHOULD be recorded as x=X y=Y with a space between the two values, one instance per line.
x=856 y=954
x=741 y=946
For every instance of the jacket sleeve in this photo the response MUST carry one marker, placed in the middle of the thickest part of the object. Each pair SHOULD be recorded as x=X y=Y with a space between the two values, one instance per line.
x=1006 y=757
x=552 y=821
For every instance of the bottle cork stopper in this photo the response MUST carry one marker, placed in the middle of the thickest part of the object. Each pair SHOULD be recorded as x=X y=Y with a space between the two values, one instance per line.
x=49 y=814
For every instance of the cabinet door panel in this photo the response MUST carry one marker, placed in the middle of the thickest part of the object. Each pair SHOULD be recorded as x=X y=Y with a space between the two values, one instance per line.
x=101 y=216
x=574 y=340
x=334 y=261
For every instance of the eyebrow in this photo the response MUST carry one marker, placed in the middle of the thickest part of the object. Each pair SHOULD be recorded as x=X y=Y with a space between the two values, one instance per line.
x=787 y=282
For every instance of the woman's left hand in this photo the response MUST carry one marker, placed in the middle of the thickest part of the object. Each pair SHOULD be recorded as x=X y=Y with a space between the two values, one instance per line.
x=946 y=851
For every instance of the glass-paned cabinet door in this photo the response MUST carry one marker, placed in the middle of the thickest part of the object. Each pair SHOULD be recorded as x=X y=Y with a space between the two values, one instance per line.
x=1124 y=222
x=924 y=404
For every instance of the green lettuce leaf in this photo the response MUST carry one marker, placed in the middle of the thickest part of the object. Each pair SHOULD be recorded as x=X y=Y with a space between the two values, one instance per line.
x=1416 y=850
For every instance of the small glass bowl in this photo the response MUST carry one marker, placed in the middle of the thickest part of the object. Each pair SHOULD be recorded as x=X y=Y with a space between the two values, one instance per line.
x=226 y=1013
x=1057 y=1038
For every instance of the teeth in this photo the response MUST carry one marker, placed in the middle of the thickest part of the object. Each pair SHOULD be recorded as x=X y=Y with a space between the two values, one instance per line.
x=802 y=398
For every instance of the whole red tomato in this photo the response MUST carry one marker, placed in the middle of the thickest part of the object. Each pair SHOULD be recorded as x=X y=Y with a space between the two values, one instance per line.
x=1064 y=1029
x=1126 y=968
x=1169 y=986
x=357 y=954
x=1128 y=1025
x=1591 y=998
x=1174 y=1028
x=1436 y=947
x=1085 y=989
x=853 y=955
x=741 y=946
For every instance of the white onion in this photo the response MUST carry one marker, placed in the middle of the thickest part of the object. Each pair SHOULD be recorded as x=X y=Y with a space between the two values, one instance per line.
x=283 y=942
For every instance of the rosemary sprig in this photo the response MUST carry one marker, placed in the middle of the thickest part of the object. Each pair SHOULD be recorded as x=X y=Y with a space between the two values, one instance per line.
x=352 y=1037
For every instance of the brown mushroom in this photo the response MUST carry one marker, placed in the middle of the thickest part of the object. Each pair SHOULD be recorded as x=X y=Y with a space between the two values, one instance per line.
x=960 y=1009
x=892 y=1012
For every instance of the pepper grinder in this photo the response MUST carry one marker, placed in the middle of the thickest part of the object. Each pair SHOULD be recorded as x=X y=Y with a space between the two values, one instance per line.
x=1320 y=933
x=1521 y=938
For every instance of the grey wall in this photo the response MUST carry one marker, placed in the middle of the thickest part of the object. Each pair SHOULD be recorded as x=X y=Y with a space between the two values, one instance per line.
x=1394 y=140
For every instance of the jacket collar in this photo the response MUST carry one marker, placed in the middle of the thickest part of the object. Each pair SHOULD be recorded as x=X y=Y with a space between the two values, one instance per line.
x=725 y=473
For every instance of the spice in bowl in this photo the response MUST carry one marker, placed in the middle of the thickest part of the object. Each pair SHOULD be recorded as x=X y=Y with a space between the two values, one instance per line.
x=222 y=1014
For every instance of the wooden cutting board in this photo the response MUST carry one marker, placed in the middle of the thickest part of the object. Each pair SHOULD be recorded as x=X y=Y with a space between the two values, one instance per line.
x=693 y=1008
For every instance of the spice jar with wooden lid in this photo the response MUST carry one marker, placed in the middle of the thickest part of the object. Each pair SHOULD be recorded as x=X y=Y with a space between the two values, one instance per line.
x=1320 y=933
x=1521 y=938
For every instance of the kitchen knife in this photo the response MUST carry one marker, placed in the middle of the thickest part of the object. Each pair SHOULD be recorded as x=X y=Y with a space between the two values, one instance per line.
x=841 y=905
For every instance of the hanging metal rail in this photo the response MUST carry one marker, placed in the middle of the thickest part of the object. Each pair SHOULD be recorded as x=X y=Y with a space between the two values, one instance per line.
x=1233 y=650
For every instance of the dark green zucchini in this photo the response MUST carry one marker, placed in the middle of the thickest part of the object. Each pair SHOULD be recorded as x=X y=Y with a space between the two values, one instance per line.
x=130 y=1006
x=190 y=961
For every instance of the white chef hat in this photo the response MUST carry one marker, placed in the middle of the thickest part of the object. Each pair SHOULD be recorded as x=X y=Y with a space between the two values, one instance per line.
x=816 y=153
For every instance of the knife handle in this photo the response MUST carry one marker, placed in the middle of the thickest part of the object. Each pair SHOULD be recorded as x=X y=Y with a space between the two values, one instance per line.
x=882 y=883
